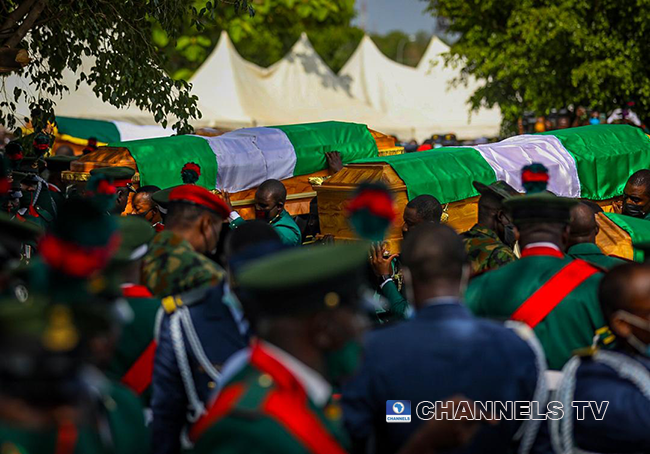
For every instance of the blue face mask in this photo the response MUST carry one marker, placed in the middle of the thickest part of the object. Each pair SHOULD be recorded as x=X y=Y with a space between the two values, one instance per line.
x=594 y=121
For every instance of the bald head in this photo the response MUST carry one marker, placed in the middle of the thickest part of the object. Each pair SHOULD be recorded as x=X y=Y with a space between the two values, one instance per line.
x=435 y=257
x=583 y=227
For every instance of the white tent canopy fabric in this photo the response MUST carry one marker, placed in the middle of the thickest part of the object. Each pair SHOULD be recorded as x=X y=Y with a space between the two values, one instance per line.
x=299 y=88
x=421 y=98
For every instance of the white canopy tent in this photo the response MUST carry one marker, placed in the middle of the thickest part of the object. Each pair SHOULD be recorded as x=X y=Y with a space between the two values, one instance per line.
x=299 y=88
x=420 y=98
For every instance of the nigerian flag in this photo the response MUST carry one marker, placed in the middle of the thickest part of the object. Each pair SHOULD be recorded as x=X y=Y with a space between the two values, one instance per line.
x=592 y=162
x=79 y=130
x=245 y=158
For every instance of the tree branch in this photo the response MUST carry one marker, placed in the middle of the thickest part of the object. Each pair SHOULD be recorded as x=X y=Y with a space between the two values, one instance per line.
x=18 y=13
x=27 y=24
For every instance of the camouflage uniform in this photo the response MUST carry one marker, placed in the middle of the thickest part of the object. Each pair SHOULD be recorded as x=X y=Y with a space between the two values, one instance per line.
x=485 y=250
x=172 y=266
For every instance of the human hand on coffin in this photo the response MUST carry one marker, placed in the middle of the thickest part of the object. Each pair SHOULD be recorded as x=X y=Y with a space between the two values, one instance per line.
x=380 y=260
x=334 y=162
x=617 y=206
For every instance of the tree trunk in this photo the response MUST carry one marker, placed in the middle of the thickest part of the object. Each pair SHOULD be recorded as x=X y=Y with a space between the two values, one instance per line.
x=27 y=24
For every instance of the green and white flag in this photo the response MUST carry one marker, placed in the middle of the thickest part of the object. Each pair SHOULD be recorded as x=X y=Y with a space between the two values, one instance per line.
x=108 y=131
x=245 y=158
x=592 y=162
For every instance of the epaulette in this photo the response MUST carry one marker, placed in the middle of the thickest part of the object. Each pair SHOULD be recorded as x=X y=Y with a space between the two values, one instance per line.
x=586 y=352
x=187 y=299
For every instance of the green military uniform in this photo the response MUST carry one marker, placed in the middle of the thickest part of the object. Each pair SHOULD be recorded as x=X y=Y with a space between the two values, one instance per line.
x=570 y=326
x=283 y=224
x=392 y=289
x=172 y=266
x=132 y=362
x=485 y=250
x=591 y=253
x=274 y=403
x=553 y=294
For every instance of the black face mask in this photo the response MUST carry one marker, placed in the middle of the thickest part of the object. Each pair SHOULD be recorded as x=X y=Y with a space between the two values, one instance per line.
x=633 y=210
x=509 y=236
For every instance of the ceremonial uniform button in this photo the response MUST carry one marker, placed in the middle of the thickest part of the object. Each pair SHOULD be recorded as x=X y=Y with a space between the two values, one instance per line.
x=265 y=380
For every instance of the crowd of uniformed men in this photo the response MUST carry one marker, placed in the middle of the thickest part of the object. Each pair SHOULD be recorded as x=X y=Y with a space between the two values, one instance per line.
x=182 y=327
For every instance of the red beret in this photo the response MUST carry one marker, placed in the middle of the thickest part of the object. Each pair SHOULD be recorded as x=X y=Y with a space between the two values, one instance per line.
x=197 y=195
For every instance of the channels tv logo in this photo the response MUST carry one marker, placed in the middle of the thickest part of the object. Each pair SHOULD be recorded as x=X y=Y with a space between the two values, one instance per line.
x=398 y=411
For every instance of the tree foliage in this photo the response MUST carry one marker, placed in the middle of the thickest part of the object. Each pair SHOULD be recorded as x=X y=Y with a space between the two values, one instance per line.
x=268 y=36
x=117 y=35
x=402 y=47
x=537 y=55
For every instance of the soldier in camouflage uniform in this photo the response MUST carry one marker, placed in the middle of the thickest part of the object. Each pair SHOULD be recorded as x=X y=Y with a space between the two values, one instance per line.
x=175 y=262
x=489 y=242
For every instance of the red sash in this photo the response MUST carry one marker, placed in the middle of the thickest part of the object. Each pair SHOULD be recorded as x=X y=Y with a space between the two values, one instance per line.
x=547 y=297
x=66 y=438
x=287 y=404
x=138 y=377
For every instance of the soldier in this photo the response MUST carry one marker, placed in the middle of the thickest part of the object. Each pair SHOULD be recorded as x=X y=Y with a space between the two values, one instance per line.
x=611 y=386
x=197 y=336
x=121 y=178
x=132 y=362
x=13 y=237
x=421 y=209
x=464 y=355
x=176 y=262
x=490 y=241
x=551 y=293
x=303 y=305
x=582 y=238
x=270 y=199
x=636 y=195
x=37 y=203
x=55 y=166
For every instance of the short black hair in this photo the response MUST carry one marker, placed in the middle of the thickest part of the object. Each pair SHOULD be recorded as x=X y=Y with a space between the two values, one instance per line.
x=613 y=291
x=275 y=188
x=149 y=189
x=248 y=234
x=641 y=178
x=427 y=208
x=434 y=251
x=180 y=214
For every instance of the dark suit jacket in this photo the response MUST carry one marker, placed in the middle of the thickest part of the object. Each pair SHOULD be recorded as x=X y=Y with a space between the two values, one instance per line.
x=443 y=351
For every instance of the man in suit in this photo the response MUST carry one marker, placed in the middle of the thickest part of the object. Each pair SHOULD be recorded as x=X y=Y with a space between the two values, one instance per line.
x=443 y=351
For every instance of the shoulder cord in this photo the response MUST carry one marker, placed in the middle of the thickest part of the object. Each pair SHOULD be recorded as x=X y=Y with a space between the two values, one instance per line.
x=528 y=430
x=196 y=407
x=39 y=188
x=157 y=323
x=625 y=367
x=195 y=345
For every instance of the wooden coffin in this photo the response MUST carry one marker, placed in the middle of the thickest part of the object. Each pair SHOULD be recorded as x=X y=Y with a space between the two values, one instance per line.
x=461 y=215
x=299 y=189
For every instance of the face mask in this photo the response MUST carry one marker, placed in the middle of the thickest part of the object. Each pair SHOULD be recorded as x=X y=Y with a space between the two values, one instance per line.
x=509 y=236
x=633 y=210
x=342 y=363
x=263 y=215
x=594 y=121
x=640 y=323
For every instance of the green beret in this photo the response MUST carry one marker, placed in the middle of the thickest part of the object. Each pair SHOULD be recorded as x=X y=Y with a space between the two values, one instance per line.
x=540 y=207
x=304 y=280
x=161 y=198
x=136 y=235
x=500 y=189
x=59 y=163
x=120 y=176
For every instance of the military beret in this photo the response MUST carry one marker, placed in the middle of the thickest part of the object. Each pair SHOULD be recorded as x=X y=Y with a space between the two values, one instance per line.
x=189 y=193
x=136 y=235
x=161 y=198
x=59 y=163
x=304 y=280
x=121 y=176
x=540 y=207
x=500 y=189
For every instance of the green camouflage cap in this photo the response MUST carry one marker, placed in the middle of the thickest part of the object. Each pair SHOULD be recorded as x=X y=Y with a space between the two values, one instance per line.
x=136 y=235
x=499 y=188
x=304 y=280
